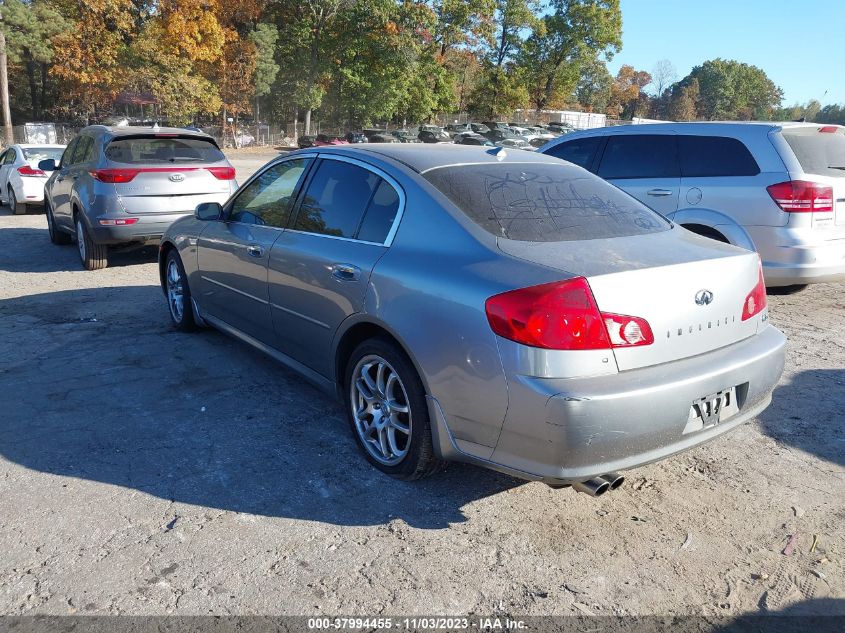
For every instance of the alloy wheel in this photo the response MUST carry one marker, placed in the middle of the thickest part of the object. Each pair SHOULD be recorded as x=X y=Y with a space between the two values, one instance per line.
x=175 y=291
x=381 y=410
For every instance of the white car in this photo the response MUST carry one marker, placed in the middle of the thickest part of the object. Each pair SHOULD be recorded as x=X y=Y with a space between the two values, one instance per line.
x=21 y=180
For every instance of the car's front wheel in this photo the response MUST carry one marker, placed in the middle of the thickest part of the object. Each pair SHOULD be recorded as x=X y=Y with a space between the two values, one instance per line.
x=178 y=293
x=387 y=410
x=94 y=256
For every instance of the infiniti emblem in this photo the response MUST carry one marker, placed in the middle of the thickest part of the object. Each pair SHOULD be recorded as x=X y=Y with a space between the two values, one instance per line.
x=177 y=177
x=703 y=297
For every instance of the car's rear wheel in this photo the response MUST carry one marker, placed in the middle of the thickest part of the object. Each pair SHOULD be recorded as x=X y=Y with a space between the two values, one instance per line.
x=178 y=293
x=17 y=208
x=93 y=256
x=387 y=410
x=56 y=236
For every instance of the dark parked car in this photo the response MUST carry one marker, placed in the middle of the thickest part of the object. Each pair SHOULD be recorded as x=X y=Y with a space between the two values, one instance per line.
x=434 y=136
x=306 y=141
x=356 y=137
x=384 y=138
x=471 y=138
x=406 y=136
x=325 y=140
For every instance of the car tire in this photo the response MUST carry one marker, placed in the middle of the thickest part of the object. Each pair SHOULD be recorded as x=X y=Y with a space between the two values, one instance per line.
x=57 y=236
x=178 y=294
x=399 y=444
x=93 y=256
x=18 y=208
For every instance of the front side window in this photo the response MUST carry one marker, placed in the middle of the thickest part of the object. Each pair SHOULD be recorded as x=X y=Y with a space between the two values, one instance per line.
x=708 y=156
x=67 y=156
x=268 y=199
x=543 y=202
x=579 y=151
x=640 y=156
x=336 y=199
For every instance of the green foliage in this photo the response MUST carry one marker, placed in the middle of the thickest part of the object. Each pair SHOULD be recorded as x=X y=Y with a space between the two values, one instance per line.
x=265 y=36
x=731 y=90
x=29 y=28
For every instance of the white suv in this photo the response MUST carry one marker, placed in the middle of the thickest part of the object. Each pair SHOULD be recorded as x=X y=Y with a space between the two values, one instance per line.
x=777 y=188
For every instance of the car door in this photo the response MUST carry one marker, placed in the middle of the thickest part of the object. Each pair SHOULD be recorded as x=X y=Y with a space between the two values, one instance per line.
x=646 y=166
x=232 y=254
x=7 y=162
x=61 y=184
x=320 y=268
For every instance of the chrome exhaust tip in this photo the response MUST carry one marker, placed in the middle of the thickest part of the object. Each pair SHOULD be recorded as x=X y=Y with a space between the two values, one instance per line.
x=614 y=479
x=594 y=487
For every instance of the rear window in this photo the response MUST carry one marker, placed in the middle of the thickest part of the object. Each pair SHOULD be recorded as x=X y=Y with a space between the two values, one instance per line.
x=579 y=151
x=544 y=202
x=707 y=156
x=640 y=156
x=821 y=153
x=157 y=149
x=37 y=154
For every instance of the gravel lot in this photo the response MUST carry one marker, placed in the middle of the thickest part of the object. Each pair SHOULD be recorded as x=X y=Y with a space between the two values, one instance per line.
x=143 y=471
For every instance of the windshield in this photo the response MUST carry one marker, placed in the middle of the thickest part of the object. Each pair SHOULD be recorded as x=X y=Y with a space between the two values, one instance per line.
x=821 y=153
x=540 y=202
x=37 y=154
x=163 y=149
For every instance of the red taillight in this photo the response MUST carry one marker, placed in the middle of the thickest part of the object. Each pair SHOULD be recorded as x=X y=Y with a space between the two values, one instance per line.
x=755 y=302
x=562 y=315
x=26 y=170
x=222 y=173
x=114 y=175
x=800 y=196
x=829 y=129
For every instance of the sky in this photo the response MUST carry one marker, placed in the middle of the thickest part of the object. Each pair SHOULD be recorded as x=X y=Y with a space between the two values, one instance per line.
x=798 y=43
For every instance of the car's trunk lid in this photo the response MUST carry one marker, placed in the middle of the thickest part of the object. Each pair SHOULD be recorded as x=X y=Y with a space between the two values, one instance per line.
x=660 y=278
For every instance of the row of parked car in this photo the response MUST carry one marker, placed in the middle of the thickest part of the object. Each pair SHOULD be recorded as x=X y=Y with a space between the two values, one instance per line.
x=489 y=133
x=552 y=315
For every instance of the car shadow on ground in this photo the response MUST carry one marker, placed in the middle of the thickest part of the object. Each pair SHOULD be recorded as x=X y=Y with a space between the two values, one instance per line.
x=96 y=385
x=815 y=429
x=50 y=258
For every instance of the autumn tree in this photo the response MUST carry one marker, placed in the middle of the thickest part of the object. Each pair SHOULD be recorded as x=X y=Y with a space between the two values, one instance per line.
x=684 y=101
x=576 y=31
x=626 y=91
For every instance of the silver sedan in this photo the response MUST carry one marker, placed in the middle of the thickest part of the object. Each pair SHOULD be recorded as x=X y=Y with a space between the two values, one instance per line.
x=482 y=305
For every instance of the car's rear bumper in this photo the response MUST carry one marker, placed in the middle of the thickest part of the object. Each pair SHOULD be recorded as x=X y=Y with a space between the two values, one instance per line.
x=793 y=256
x=148 y=229
x=573 y=429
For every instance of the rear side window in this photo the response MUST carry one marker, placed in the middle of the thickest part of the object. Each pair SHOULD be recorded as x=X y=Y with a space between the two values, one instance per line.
x=336 y=199
x=158 y=149
x=378 y=220
x=640 y=156
x=579 y=151
x=821 y=153
x=542 y=202
x=706 y=156
x=84 y=150
x=33 y=154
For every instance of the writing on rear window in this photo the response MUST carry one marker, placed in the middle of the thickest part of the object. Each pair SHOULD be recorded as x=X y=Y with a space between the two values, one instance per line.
x=544 y=202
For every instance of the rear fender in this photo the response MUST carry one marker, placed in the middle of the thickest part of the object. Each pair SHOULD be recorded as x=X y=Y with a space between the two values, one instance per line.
x=718 y=221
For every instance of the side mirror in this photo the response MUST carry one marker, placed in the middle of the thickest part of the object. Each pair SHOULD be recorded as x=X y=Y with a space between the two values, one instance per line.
x=208 y=211
x=48 y=164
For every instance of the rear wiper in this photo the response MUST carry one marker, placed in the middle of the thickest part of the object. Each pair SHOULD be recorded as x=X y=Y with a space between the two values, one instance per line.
x=836 y=167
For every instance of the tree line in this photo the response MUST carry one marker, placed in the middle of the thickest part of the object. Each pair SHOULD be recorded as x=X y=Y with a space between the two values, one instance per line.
x=354 y=62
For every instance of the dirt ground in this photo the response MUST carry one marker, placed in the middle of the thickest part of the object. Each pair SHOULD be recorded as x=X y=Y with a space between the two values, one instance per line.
x=144 y=471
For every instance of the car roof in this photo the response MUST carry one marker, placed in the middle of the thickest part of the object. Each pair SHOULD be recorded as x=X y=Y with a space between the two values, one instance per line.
x=701 y=126
x=421 y=158
x=135 y=130
x=39 y=145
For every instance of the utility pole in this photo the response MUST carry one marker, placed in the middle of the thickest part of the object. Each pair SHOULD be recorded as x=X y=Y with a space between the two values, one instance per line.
x=4 y=92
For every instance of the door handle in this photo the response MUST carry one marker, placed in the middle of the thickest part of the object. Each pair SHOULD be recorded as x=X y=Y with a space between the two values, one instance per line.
x=660 y=192
x=255 y=250
x=345 y=272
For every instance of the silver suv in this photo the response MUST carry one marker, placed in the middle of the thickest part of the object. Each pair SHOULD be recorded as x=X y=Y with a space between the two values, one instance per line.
x=778 y=188
x=126 y=185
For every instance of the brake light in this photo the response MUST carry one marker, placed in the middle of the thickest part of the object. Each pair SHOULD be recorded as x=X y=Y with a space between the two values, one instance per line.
x=829 y=129
x=222 y=173
x=800 y=196
x=562 y=315
x=27 y=170
x=114 y=175
x=755 y=302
